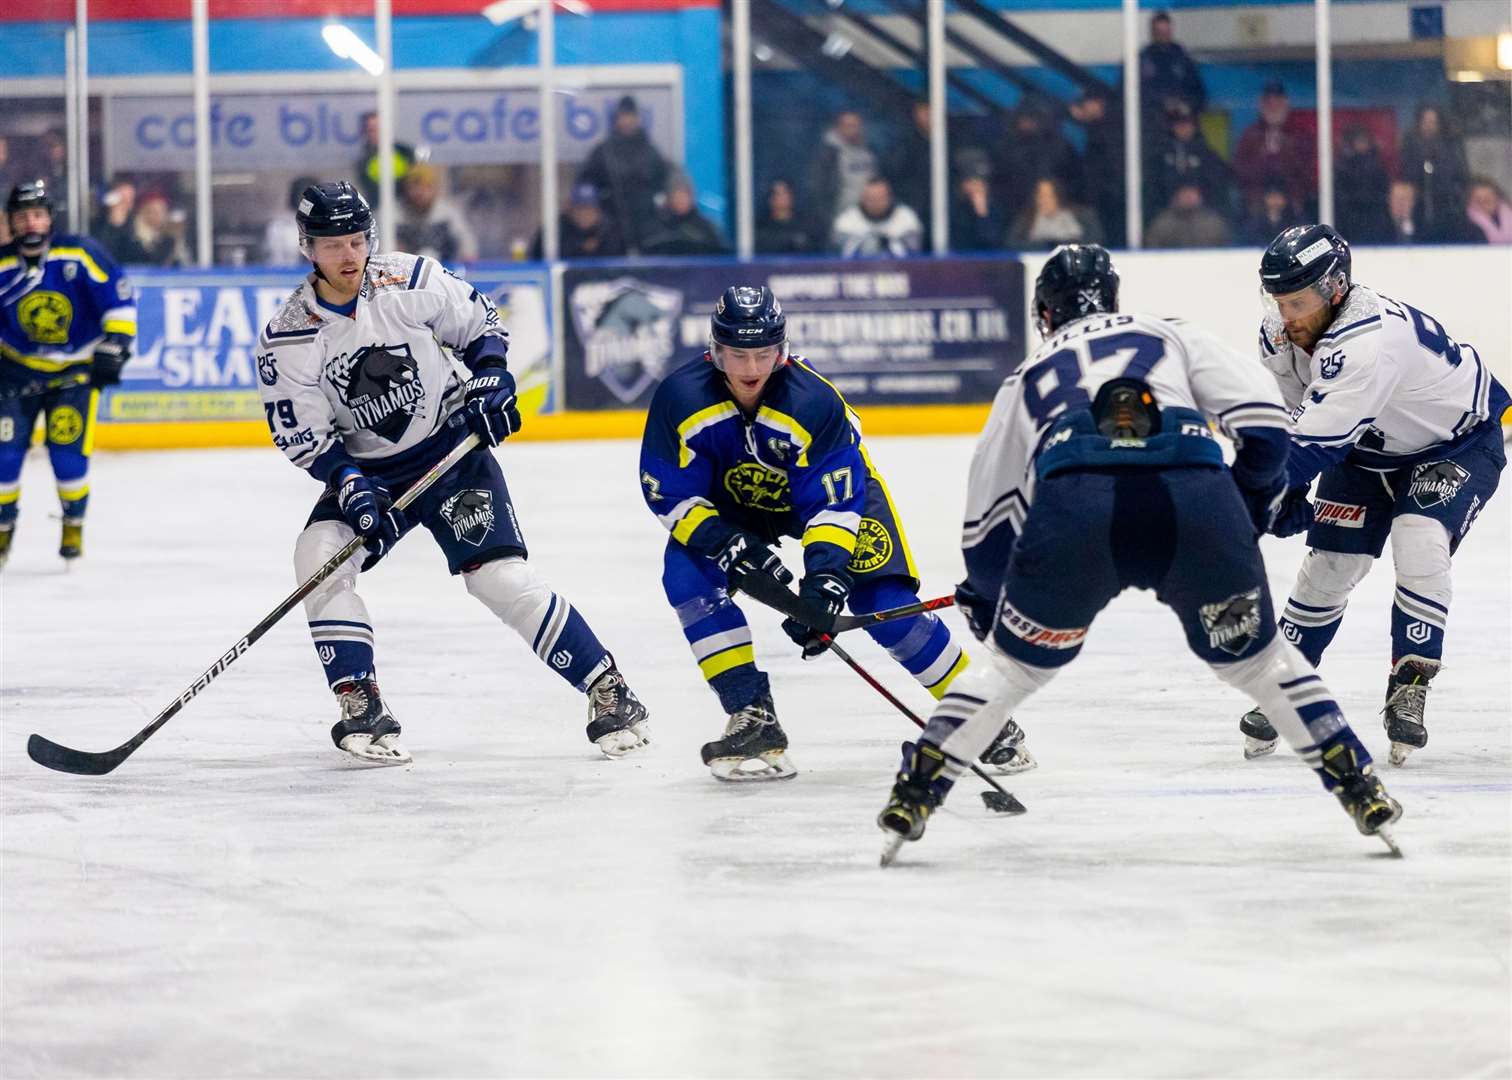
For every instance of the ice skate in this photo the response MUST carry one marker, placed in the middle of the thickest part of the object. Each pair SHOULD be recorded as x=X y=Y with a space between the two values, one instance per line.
x=1259 y=736
x=754 y=746
x=367 y=730
x=1008 y=754
x=1361 y=793
x=7 y=534
x=71 y=546
x=1406 y=697
x=617 y=722
x=922 y=785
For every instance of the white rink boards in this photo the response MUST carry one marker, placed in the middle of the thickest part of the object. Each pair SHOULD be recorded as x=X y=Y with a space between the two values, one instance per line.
x=237 y=901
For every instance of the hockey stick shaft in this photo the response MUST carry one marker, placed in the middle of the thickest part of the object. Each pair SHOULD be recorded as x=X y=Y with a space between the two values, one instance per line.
x=63 y=759
x=771 y=592
x=43 y=386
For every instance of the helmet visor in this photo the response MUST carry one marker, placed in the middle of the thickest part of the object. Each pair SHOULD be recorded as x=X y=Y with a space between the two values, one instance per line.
x=1305 y=303
x=752 y=361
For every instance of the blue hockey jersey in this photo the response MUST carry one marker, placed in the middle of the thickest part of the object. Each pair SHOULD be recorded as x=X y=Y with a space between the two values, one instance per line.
x=54 y=311
x=796 y=467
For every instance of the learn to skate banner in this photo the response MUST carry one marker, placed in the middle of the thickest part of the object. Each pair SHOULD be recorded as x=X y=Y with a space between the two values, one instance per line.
x=897 y=332
x=197 y=330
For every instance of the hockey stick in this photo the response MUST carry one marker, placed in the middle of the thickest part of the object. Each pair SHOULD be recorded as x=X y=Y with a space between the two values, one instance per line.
x=771 y=592
x=43 y=386
x=83 y=763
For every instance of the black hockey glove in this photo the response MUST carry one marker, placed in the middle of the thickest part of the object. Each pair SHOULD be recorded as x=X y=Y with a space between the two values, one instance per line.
x=977 y=609
x=826 y=594
x=110 y=357
x=1295 y=514
x=490 y=409
x=1265 y=504
x=367 y=508
x=743 y=553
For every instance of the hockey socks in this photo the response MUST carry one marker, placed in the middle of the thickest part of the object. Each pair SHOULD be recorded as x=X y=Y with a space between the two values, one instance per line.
x=922 y=644
x=545 y=620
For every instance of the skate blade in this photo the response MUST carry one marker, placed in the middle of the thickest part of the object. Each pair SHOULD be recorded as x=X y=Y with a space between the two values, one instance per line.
x=1021 y=762
x=1400 y=752
x=616 y=744
x=363 y=749
x=744 y=770
x=891 y=842
x=1257 y=748
x=1384 y=832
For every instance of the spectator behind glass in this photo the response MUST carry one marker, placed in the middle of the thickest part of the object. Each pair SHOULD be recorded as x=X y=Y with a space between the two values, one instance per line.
x=281 y=236
x=1166 y=73
x=907 y=166
x=1488 y=212
x=1186 y=158
x=585 y=231
x=1434 y=161
x=978 y=222
x=1033 y=148
x=1272 y=152
x=1102 y=172
x=369 y=165
x=628 y=171
x=1050 y=221
x=113 y=229
x=1360 y=190
x=159 y=231
x=1187 y=223
x=54 y=174
x=839 y=170
x=680 y=229
x=429 y=224
x=878 y=226
x=1401 y=207
x=781 y=230
x=1277 y=213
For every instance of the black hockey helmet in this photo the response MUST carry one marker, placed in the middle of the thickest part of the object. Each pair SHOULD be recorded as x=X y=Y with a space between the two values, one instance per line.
x=1077 y=280
x=1305 y=255
x=333 y=208
x=747 y=317
x=30 y=195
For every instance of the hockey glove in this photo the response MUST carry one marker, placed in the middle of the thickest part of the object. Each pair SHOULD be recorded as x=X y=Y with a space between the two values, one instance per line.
x=1264 y=504
x=367 y=508
x=1295 y=514
x=110 y=357
x=826 y=595
x=490 y=409
x=977 y=608
x=743 y=553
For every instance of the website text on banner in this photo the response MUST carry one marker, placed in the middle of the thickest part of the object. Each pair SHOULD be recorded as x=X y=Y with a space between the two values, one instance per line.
x=923 y=332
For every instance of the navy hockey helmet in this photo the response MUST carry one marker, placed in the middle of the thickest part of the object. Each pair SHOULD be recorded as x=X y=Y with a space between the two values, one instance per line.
x=30 y=195
x=334 y=208
x=1077 y=280
x=747 y=317
x=1305 y=255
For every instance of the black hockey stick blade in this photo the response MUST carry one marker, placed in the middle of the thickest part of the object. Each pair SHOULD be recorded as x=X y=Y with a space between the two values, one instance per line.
x=1002 y=802
x=80 y=762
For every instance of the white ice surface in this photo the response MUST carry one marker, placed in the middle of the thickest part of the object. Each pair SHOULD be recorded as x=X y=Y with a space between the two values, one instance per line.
x=236 y=901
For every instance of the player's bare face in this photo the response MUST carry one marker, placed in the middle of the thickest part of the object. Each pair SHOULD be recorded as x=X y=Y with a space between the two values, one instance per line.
x=33 y=219
x=340 y=260
x=747 y=371
x=1306 y=315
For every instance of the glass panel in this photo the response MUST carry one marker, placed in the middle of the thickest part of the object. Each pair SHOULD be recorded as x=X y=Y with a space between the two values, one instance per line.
x=33 y=114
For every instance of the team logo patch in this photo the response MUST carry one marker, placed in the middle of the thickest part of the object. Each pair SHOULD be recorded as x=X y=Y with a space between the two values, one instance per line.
x=629 y=331
x=1232 y=625
x=1418 y=632
x=1033 y=633
x=1291 y=632
x=45 y=316
x=561 y=659
x=267 y=369
x=64 y=425
x=1344 y=515
x=753 y=485
x=1330 y=366
x=382 y=388
x=874 y=546
x=1435 y=483
x=70 y=271
x=470 y=514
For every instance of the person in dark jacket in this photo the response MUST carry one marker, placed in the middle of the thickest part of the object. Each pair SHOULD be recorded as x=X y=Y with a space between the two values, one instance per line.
x=1033 y=148
x=628 y=171
x=584 y=230
x=1434 y=162
x=1274 y=150
x=1360 y=190
x=781 y=230
x=1184 y=157
x=1103 y=181
x=1166 y=72
x=680 y=229
x=978 y=221
x=1277 y=214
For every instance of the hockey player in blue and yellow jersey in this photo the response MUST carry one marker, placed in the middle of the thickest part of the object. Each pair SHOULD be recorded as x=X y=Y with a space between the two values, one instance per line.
x=744 y=446
x=67 y=323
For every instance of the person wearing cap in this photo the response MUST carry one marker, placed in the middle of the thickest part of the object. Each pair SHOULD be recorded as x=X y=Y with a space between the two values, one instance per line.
x=680 y=229
x=1272 y=151
x=628 y=171
x=584 y=231
x=430 y=224
x=1184 y=157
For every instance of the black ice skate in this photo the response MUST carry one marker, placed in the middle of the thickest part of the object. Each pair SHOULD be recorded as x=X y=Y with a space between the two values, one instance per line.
x=922 y=785
x=367 y=730
x=1406 y=696
x=1259 y=737
x=754 y=746
x=7 y=534
x=1008 y=754
x=1362 y=794
x=71 y=546
x=617 y=722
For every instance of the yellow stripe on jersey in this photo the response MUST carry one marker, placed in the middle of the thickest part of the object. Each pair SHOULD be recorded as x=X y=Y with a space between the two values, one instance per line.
x=89 y=422
x=830 y=534
x=78 y=254
x=873 y=475
x=47 y=364
x=723 y=661
x=8 y=262
x=697 y=422
x=682 y=532
x=120 y=326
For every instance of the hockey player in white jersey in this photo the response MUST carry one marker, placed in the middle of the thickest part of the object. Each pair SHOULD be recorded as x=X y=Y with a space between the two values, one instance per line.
x=1098 y=471
x=362 y=391
x=1400 y=423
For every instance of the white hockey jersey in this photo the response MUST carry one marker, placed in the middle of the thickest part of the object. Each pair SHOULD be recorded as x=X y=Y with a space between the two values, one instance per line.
x=380 y=381
x=1386 y=385
x=1184 y=366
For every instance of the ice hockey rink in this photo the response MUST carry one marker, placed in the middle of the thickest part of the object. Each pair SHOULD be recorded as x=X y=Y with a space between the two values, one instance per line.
x=238 y=901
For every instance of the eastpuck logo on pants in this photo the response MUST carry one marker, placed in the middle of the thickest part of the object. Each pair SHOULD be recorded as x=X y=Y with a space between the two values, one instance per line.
x=1345 y=515
x=470 y=514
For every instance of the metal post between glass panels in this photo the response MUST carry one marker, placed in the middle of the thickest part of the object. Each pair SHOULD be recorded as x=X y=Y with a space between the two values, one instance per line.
x=550 y=218
x=204 y=240
x=939 y=136
x=1133 y=150
x=1324 y=45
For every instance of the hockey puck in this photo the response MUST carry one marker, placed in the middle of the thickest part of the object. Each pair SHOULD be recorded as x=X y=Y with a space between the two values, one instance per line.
x=1000 y=802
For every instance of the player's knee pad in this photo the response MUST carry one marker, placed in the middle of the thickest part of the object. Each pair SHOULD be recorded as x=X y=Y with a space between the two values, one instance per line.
x=511 y=590
x=314 y=549
x=1258 y=675
x=980 y=701
x=1420 y=549
x=1328 y=577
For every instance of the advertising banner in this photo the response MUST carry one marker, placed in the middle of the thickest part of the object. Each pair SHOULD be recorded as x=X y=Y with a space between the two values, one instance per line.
x=900 y=332
x=196 y=353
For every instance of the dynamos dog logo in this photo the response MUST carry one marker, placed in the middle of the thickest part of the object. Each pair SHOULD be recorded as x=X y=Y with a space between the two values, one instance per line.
x=1234 y=623
x=382 y=388
x=1436 y=482
x=470 y=514
x=627 y=328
